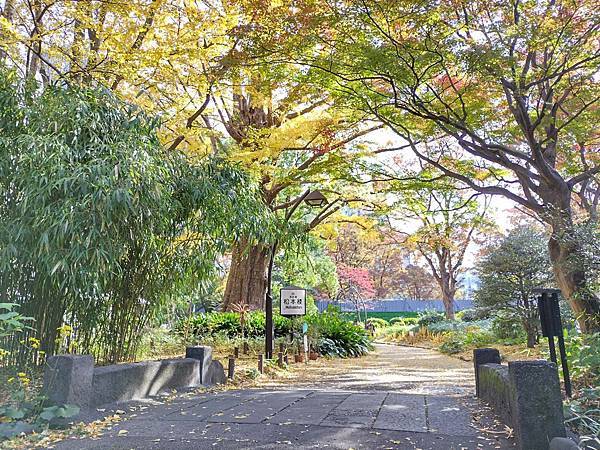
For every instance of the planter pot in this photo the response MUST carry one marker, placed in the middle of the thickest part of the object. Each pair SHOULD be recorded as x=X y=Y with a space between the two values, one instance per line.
x=313 y=356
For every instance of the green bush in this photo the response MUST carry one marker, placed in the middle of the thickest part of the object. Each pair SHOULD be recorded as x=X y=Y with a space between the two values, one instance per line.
x=446 y=326
x=507 y=326
x=337 y=336
x=228 y=324
x=474 y=314
x=583 y=413
x=462 y=339
x=429 y=317
x=405 y=320
x=452 y=345
x=396 y=331
x=378 y=323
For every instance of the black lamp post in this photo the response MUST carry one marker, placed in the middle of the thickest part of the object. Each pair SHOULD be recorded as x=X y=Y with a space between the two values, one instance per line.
x=313 y=199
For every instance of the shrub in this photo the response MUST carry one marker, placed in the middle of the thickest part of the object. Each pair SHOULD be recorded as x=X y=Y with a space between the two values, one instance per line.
x=405 y=320
x=378 y=323
x=338 y=336
x=429 y=317
x=506 y=325
x=452 y=345
x=583 y=412
x=476 y=337
x=474 y=314
x=228 y=324
x=446 y=326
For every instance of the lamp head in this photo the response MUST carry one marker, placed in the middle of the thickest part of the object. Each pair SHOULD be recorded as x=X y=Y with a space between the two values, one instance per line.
x=315 y=199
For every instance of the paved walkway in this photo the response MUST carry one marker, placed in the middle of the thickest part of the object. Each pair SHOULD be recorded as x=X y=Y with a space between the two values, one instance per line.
x=398 y=398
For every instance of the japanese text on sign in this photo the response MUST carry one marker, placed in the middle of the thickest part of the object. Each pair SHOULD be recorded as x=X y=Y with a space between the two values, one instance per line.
x=293 y=302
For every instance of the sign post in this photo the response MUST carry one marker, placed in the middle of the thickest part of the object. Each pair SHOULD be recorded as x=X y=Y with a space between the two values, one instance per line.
x=548 y=308
x=292 y=303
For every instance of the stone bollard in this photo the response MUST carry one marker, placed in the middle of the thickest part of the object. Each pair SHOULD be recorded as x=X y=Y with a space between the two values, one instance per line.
x=536 y=403
x=68 y=380
x=260 y=363
x=246 y=348
x=231 y=367
x=203 y=354
x=559 y=443
x=484 y=356
x=236 y=352
x=280 y=359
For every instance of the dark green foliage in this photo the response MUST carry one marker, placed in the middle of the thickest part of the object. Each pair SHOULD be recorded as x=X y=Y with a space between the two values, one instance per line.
x=337 y=336
x=228 y=324
x=430 y=317
x=509 y=272
x=583 y=413
x=473 y=314
x=377 y=322
x=404 y=320
x=98 y=224
x=507 y=325
x=452 y=346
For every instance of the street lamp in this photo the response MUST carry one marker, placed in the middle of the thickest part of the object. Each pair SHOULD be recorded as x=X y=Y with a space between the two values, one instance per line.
x=315 y=198
x=312 y=199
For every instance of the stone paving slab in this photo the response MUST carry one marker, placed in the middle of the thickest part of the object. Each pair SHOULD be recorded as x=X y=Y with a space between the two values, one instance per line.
x=214 y=405
x=264 y=436
x=262 y=406
x=311 y=410
x=358 y=410
x=449 y=415
x=402 y=412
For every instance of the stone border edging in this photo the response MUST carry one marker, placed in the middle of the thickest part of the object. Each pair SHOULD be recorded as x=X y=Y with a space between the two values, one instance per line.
x=73 y=379
x=525 y=394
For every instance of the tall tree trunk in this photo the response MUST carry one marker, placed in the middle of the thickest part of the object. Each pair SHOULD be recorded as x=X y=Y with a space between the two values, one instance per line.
x=571 y=279
x=568 y=268
x=247 y=279
x=448 y=298
x=531 y=331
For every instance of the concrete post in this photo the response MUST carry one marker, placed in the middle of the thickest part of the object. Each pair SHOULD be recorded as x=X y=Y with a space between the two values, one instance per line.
x=536 y=403
x=68 y=380
x=484 y=356
x=203 y=354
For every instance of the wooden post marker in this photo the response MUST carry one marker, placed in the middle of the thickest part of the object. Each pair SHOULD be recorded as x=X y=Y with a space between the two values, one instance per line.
x=246 y=348
x=286 y=360
x=260 y=363
x=280 y=359
x=231 y=367
x=236 y=352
